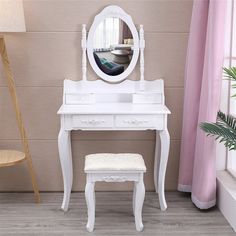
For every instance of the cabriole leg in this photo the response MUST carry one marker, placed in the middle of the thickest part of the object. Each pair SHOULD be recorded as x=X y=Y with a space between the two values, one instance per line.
x=64 y=146
x=139 y=199
x=90 y=200
x=165 y=146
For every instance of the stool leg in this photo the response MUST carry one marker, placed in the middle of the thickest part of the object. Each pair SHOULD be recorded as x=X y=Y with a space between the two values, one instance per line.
x=90 y=200
x=139 y=199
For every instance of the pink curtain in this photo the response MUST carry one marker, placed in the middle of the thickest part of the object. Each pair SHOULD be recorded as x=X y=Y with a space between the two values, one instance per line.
x=203 y=75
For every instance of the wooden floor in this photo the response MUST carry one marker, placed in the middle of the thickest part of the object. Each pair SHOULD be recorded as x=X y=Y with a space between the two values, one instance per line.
x=20 y=216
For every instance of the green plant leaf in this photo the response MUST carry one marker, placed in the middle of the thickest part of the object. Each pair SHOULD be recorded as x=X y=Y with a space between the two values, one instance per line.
x=224 y=130
x=230 y=73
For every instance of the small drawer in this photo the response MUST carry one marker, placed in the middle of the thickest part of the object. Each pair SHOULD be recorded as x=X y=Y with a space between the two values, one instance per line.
x=92 y=121
x=145 y=121
x=73 y=99
x=147 y=98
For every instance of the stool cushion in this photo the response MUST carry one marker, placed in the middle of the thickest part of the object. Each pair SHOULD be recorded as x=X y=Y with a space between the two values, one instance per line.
x=114 y=162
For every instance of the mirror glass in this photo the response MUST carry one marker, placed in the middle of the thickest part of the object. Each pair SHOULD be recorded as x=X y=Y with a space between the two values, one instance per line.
x=112 y=46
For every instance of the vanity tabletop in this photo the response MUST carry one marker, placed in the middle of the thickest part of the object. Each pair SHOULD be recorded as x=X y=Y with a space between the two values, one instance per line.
x=114 y=108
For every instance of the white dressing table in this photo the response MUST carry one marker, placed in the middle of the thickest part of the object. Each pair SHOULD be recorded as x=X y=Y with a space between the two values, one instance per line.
x=97 y=105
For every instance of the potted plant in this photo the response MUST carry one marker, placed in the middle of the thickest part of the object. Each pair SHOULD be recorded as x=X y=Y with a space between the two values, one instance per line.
x=224 y=129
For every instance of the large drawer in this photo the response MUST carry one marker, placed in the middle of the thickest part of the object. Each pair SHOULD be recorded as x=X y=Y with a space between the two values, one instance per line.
x=145 y=121
x=92 y=121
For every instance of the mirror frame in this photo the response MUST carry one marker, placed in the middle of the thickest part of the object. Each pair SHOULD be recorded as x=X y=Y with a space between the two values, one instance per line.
x=113 y=11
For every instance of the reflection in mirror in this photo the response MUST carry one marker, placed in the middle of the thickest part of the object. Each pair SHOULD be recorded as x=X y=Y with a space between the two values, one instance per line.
x=113 y=46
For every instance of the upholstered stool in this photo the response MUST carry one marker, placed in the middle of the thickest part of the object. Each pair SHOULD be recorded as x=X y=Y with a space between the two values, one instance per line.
x=111 y=167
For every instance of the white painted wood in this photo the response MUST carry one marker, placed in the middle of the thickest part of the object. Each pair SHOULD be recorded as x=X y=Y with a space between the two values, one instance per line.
x=113 y=109
x=226 y=193
x=165 y=146
x=138 y=194
x=231 y=162
x=156 y=163
x=114 y=175
x=90 y=201
x=139 y=199
x=117 y=12
x=84 y=58
x=144 y=121
x=101 y=87
x=76 y=98
x=78 y=92
x=92 y=121
x=148 y=98
x=142 y=46
x=64 y=146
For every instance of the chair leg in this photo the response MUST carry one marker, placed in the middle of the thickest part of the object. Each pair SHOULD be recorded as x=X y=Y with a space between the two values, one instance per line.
x=90 y=200
x=139 y=199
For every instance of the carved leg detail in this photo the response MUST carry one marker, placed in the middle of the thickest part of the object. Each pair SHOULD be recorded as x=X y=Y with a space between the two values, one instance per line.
x=165 y=146
x=139 y=199
x=64 y=146
x=90 y=200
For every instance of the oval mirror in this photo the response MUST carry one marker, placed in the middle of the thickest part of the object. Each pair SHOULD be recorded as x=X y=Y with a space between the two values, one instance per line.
x=113 y=44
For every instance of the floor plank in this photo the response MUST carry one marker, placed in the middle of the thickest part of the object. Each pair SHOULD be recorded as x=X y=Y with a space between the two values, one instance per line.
x=20 y=216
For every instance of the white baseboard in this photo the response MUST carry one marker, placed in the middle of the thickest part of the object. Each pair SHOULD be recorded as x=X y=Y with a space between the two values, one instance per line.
x=226 y=196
